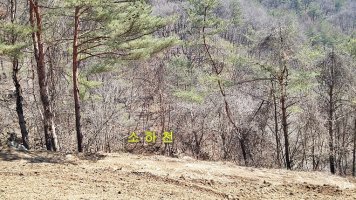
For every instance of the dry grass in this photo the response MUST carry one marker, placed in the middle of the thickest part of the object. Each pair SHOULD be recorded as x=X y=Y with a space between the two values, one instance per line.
x=43 y=175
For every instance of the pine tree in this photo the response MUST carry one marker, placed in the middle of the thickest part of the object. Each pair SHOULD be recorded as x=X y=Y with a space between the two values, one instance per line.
x=215 y=54
x=36 y=24
x=105 y=29
x=12 y=44
x=278 y=57
x=332 y=87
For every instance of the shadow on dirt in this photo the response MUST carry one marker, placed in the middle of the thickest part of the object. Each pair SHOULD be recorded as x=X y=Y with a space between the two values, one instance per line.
x=47 y=157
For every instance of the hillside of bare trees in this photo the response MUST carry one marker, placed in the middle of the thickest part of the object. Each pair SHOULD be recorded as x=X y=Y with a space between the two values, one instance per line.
x=258 y=83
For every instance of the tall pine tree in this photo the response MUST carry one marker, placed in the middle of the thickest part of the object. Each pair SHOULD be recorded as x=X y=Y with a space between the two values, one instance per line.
x=106 y=29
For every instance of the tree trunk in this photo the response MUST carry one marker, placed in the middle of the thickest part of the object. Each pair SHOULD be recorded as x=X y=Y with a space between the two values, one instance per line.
x=313 y=153
x=243 y=149
x=282 y=81
x=330 y=130
x=284 y=122
x=48 y=122
x=276 y=126
x=19 y=104
x=15 y=70
x=354 y=153
x=75 y=81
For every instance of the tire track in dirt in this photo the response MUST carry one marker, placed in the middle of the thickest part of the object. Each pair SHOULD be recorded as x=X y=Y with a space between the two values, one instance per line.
x=189 y=184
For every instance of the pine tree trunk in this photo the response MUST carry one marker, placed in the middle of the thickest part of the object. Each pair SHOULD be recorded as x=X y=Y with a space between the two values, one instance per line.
x=282 y=79
x=15 y=70
x=19 y=104
x=285 y=128
x=75 y=81
x=243 y=149
x=49 y=130
x=48 y=121
x=276 y=126
x=313 y=153
x=354 y=153
x=330 y=130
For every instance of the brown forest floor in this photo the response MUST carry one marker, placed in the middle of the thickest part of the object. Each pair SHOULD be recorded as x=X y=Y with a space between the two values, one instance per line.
x=43 y=175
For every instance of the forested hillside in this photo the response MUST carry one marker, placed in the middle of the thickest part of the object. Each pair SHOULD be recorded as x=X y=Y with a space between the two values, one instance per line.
x=262 y=83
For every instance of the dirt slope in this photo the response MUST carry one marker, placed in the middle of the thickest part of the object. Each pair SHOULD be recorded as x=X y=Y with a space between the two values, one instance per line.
x=42 y=175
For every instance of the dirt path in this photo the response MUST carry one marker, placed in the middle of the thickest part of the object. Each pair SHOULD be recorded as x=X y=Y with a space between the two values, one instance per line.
x=40 y=175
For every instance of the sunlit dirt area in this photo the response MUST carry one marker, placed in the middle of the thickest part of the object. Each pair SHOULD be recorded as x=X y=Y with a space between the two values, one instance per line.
x=43 y=175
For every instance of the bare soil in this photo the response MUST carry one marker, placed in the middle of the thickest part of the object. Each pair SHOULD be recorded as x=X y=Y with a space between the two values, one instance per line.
x=44 y=175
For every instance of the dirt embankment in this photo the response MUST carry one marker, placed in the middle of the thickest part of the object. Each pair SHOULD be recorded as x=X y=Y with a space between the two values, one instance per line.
x=43 y=175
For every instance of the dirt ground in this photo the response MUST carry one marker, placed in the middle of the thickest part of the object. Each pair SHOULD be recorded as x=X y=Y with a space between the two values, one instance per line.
x=43 y=175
